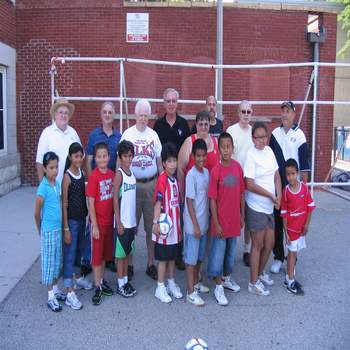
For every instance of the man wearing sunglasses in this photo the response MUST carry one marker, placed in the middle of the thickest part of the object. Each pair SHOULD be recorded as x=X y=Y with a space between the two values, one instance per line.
x=171 y=127
x=216 y=125
x=241 y=133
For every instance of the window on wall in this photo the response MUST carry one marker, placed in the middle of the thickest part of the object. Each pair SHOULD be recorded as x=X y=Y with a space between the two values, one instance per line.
x=2 y=109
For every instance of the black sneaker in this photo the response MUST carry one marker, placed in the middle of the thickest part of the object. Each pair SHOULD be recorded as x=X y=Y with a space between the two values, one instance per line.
x=53 y=305
x=124 y=291
x=130 y=272
x=106 y=289
x=246 y=259
x=97 y=298
x=111 y=265
x=129 y=287
x=151 y=271
x=179 y=262
x=299 y=285
x=295 y=288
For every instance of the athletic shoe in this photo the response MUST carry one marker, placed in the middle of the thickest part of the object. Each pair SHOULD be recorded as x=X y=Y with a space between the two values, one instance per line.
x=59 y=295
x=258 y=288
x=246 y=259
x=73 y=301
x=129 y=286
x=195 y=299
x=231 y=285
x=130 y=272
x=265 y=278
x=285 y=283
x=151 y=271
x=179 y=262
x=106 y=289
x=201 y=288
x=220 y=297
x=276 y=266
x=174 y=290
x=97 y=298
x=162 y=294
x=54 y=305
x=295 y=288
x=83 y=283
x=124 y=291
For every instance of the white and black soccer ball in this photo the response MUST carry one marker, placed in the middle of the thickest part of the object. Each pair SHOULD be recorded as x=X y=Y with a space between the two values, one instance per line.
x=196 y=344
x=165 y=225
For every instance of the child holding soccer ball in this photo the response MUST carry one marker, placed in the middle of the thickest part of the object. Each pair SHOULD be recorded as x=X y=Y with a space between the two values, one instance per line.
x=167 y=247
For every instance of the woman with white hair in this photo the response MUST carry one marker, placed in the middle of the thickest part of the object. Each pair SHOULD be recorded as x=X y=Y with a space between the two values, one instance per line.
x=146 y=166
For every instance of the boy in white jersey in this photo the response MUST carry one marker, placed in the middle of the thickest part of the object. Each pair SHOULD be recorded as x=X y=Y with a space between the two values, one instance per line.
x=125 y=216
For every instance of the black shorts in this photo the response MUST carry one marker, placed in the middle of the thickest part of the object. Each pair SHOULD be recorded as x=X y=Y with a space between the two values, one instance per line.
x=125 y=243
x=164 y=252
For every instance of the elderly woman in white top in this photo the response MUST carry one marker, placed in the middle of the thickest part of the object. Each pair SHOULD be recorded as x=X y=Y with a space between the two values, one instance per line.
x=146 y=166
x=57 y=137
x=263 y=194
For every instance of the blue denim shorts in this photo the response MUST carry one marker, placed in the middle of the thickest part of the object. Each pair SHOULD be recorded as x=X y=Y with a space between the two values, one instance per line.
x=221 y=256
x=194 y=249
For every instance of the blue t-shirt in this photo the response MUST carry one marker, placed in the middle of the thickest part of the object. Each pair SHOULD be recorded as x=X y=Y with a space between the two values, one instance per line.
x=51 y=214
x=98 y=135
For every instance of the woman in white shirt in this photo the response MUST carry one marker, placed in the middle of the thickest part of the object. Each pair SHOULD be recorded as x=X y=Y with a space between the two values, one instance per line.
x=263 y=194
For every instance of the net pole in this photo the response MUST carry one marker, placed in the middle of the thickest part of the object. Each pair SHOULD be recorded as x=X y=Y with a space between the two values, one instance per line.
x=121 y=74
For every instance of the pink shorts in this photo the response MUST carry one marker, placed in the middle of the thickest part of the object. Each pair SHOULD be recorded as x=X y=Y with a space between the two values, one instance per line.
x=102 y=248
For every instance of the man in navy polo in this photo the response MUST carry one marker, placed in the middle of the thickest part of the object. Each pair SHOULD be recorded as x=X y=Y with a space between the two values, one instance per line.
x=287 y=141
x=111 y=137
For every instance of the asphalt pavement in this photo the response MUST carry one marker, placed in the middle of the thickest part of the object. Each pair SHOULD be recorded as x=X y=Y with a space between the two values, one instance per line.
x=318 y=320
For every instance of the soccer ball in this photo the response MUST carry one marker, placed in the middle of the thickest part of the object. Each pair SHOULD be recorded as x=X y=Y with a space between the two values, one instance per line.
x=165 y=225
x=196 y=344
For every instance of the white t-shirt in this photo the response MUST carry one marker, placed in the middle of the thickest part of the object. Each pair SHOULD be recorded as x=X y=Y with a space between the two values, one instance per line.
x=261 y=165
x=242 y=141
x=147 y=149
x=53 y=139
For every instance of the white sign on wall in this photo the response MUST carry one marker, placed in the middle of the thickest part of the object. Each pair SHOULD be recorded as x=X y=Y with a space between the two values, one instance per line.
x=137 y=28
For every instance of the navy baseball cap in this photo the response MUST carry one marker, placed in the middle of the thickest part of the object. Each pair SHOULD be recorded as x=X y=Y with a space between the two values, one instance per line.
x=288 y=104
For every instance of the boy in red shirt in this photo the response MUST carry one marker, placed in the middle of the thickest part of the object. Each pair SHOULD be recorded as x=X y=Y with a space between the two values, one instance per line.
x=296 y=209
x=226 y=194
x=100 y=196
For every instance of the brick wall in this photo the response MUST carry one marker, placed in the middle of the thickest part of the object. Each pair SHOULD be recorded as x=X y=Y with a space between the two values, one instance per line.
x=7 y=23
x=176 y=34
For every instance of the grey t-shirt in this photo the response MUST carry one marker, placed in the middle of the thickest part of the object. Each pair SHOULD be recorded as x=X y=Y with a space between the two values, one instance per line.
x=197 y=184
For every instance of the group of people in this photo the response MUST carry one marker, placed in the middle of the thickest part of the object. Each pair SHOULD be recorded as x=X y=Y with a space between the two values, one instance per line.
x=212 y=185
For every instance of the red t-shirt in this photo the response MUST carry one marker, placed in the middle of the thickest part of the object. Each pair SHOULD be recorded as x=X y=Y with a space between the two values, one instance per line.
x=296 y=208
x=100 y=187
x=213 y=157
x=167 y=192
x=226 y=186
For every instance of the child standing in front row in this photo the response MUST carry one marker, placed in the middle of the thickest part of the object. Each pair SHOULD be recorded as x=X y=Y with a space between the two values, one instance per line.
x=100 y=194
x=226 y=193
x=125 y=216
x=296 y=209
x=196 y=222
x=74 y=210
x=166 y=250
x=48 y=220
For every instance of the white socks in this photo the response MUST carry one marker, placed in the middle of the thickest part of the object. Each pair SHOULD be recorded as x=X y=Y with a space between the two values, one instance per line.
x=122 y=281
x=51 y=294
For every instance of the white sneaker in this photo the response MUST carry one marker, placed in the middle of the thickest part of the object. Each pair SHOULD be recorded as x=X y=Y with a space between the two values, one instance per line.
x=230 y=284
x=83 y=283
x=201 y=288
x=258 y=288
x=265 y=278
x=195 y=299
x=162 y=294
x=276 y=266
x=174 y=290
x=73 y=301
x=219 y=294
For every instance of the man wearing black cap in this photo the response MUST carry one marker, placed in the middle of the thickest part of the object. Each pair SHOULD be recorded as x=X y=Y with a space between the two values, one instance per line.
x=287 y=141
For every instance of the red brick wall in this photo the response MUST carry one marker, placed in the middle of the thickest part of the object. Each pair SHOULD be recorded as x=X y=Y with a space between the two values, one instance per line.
x=176 y=34
x=7 y=23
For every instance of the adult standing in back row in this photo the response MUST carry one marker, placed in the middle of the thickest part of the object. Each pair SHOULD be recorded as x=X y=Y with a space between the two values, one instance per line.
x=287 y=141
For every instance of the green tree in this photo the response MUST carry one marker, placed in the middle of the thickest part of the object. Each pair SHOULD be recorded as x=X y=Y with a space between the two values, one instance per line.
x=344 y=18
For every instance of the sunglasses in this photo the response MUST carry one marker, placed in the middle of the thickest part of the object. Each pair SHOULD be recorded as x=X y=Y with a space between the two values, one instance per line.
x=246 y=111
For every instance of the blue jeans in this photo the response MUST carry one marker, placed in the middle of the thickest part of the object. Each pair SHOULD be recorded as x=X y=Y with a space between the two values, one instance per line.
x=221 y=256
x=83 y=257
x=194 y=249
x=77 y=229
